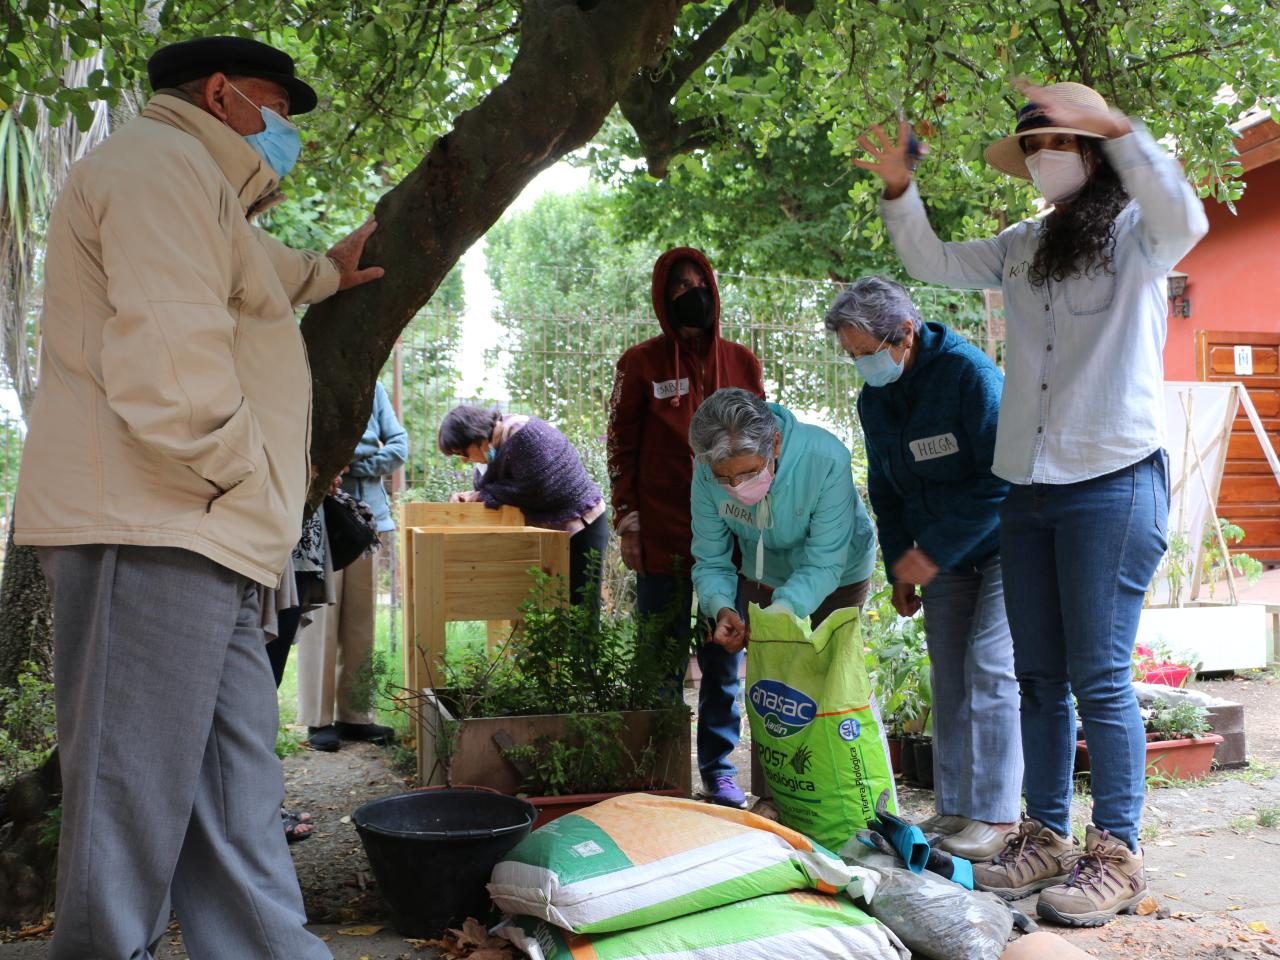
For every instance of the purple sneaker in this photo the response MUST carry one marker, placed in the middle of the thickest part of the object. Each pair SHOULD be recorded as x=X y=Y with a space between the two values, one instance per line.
x=726 y=792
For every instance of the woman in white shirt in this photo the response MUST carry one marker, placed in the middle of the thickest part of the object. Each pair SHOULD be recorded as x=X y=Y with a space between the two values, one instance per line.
x=1080 y=440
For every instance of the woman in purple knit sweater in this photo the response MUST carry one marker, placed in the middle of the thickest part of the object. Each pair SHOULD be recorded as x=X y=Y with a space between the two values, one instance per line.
x=532 y=465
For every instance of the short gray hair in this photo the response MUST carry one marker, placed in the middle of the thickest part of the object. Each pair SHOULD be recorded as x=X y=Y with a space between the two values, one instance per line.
x=875 y=306
x=729 y=423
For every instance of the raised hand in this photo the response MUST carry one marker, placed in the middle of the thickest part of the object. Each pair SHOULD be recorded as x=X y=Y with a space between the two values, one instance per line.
x=1105 y=123
x=891 y=162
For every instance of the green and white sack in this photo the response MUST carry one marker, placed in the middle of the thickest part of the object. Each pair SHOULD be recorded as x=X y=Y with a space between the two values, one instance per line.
x=638 y=859
x=814 y=724
x=781 y=926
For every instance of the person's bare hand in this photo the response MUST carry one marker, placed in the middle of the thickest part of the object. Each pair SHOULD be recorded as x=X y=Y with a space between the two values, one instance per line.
x=730 y=632
x=458 y=497
x=1105 y=123
x=890 y=161
x=346 y=253
x=914 y=566
x=336 y=484
x=905 y=599
x=632 y=556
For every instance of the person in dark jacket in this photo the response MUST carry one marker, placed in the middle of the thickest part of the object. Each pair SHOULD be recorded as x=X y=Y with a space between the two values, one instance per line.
x=928 y=413
x=659 y=385
x=531 y=465
x=338 y=641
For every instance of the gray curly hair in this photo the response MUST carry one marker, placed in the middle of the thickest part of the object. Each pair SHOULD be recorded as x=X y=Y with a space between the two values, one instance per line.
x=875 y=306
x=729 y=423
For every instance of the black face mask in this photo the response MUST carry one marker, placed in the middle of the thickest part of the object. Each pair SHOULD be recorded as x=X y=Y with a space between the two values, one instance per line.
x=692 y=309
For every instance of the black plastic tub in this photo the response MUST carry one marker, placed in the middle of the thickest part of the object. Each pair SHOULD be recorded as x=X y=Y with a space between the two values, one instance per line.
x=432 y=852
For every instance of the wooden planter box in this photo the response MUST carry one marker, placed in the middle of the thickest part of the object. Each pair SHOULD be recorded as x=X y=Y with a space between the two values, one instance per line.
x=1176 y=759
x=477 y=753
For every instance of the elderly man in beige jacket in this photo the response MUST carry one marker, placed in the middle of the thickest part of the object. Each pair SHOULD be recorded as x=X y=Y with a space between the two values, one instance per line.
x=163 y=483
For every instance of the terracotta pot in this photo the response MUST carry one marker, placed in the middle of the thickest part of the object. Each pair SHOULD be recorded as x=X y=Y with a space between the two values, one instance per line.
x=895 y=754
x=552 y=808
x=1176 y=759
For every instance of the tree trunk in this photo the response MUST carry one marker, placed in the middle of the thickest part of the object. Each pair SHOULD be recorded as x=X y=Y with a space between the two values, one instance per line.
x=575 y=59
x=26 y=620
x=28 y=844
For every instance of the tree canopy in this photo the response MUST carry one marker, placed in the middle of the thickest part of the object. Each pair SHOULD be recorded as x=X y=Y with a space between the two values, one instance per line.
x=747 y=109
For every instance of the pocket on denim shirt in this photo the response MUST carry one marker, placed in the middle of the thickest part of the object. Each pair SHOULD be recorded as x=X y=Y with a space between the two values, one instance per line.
x=1088 y=295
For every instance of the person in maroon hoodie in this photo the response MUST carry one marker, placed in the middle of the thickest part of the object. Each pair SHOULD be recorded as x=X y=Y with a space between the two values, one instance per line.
x=659 y=385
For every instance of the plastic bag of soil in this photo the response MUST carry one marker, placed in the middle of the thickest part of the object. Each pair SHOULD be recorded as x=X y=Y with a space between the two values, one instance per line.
x=934 y=917
x=636 y=860
x=781 y=926
x=816 y=729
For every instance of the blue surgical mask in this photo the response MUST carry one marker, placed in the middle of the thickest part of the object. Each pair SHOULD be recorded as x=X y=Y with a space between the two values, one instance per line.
x=279 y=143
x=879 y=369
x=490 y=454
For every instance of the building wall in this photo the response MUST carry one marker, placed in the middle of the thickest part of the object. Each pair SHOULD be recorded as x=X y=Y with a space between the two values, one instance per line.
x=1234 y=272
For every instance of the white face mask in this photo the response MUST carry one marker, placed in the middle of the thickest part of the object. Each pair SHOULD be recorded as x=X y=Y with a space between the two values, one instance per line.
x=1058 y=174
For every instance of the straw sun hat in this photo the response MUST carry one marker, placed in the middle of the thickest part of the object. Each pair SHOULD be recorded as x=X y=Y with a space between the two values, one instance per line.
x=1006 y=155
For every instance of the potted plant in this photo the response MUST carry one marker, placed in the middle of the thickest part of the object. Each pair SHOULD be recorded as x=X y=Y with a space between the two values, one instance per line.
x=1161 y=666
x=1180 y=744
x=898 y=665
x=570 y=703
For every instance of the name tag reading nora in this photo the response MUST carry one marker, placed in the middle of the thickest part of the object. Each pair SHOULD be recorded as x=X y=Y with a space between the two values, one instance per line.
x=667 y=389
x=931 y=448
x=732 y=510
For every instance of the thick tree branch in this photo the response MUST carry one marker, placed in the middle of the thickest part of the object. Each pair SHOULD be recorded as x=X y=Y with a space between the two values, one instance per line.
x=647 y=102
x=572 y=66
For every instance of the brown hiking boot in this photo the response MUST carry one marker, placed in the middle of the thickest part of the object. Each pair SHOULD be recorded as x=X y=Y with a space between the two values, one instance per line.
x=1106 y=879
x=1034 y=857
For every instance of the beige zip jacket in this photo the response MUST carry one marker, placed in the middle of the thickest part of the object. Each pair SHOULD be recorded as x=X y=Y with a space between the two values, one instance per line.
x=174 y=404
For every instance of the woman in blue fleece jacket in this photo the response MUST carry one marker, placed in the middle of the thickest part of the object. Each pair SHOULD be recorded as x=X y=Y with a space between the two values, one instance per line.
x=929 y=411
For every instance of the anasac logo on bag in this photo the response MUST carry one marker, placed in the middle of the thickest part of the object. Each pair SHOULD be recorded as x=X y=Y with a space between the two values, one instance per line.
x=785 y=710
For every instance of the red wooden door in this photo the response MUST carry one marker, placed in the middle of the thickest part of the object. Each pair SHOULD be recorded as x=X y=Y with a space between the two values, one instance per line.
x=1250 y=495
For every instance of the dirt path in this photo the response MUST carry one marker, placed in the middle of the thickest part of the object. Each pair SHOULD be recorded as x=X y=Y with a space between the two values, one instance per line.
x=337 y=885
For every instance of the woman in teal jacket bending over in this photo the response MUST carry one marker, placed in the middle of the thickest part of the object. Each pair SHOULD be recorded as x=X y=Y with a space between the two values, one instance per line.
x=782 y=492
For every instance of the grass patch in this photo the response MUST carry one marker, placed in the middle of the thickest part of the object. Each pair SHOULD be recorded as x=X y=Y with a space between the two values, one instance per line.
x=1242 y=824
x=1269 y=817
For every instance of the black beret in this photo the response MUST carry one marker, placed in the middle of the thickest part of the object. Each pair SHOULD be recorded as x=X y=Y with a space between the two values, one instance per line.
x=178 y=63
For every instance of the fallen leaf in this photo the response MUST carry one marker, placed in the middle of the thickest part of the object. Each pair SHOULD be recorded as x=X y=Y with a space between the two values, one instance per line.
x=1147 y=907
x=1176 y=874
x=364 y=930
x=346 y=819
x=1257 y=926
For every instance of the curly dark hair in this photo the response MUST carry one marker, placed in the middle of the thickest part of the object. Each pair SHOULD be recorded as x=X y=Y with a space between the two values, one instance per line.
x=1078 y=238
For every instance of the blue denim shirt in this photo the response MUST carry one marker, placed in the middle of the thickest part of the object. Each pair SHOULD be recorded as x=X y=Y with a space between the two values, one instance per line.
x=1084 y=365
x=380 y=452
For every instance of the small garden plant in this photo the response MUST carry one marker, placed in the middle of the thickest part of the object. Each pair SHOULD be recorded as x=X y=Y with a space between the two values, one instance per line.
x=1181 y=721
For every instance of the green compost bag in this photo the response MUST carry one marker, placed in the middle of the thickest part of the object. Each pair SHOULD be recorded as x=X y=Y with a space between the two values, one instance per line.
x=815 y=727
x=781 y=926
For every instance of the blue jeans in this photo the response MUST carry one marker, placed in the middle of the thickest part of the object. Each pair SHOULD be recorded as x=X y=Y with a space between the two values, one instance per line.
x=719 y=719
x=977 y=746
x=1077 y=561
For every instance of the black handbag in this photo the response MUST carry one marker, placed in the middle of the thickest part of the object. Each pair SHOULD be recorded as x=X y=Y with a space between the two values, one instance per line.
x=351 y=528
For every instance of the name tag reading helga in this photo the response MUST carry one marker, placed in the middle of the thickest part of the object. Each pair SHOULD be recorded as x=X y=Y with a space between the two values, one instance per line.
x=732 y=510
x=667 y=389
x=931 y=448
